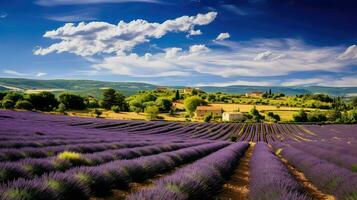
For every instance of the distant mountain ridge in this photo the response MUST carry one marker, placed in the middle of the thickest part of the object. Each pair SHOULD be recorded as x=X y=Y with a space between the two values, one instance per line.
x=92 y=87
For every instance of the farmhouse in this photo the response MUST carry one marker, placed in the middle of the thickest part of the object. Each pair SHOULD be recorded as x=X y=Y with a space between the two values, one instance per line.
x=254 y=94
x=232 y=116
x=161 y=89
x=187 y=90
x=201 y=111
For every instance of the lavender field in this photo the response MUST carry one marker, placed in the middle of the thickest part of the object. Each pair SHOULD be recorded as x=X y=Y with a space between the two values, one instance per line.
x=50 y=157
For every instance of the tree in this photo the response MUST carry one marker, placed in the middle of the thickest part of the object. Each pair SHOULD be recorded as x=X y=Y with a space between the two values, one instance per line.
x=334 y=115
x=8 y=104
x=23 y=104
x=152 y=112
x=115 y=109
x=256 y=115
x=72 y=101
x=191 y=103
x=177 y=95
x=97 y=113
x=91 y=102
x=354 y=102
x=316 y=117
x=13 y=96
x=44 y=101
x=273 y=117
x=208 y=117
x=164 y=104
x=62 y=108
x=352 y=115
x=113 y=98
x=301 y=116
x=136 y=106
x=109 y=98
x=2 y=95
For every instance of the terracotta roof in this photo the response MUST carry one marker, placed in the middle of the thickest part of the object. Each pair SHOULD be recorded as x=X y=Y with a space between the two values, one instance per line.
x=208 y=108
x=256 y=92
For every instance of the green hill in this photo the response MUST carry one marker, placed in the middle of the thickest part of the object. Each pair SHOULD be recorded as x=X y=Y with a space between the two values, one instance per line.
x=91 y=87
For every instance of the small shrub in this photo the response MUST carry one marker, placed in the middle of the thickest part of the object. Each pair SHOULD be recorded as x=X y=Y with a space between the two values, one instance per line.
x=152 y=112
x=73 y=157
x=354 y=168
x=208 y=117
x=97 y=113
x=233 y=138
x=116 y=109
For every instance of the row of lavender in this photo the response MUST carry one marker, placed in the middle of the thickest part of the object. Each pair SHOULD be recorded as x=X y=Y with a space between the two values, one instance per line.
x=330 y=171
x=82 y=182
x=36 y=130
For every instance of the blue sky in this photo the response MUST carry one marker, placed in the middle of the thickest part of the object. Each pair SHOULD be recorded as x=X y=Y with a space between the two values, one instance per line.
x=181 y=42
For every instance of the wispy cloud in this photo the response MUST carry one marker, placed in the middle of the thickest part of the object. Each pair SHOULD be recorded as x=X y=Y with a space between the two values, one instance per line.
x=78 y=2
x=257 y=58
x=3 y=14
x=40 y=74
x=234 y=9
x=239 y=82
x=71 y=18
x=303 y=82
x=74 y=16
x=349 y=53
x=13 y=72
x=344 y=81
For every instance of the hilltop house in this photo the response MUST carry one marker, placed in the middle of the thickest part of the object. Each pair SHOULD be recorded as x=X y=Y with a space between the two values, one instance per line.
x=161 y=89
x=232 y=116
x=201 y=111
x=254 y=94
x=187 y=90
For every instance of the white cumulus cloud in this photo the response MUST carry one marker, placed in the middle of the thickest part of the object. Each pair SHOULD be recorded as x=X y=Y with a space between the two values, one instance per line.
x=222 y=36
x=87 y=39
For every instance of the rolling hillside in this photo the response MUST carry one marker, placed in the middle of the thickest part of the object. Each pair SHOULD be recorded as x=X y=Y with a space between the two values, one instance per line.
x=94 y=88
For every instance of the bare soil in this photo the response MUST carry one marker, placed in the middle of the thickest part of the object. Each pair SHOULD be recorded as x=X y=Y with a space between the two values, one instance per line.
x=237 y=187
x=311 y=189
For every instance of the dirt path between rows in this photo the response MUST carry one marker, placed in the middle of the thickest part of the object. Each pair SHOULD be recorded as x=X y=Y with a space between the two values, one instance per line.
x=237 y=187
x=122 y=194
x=311 y=189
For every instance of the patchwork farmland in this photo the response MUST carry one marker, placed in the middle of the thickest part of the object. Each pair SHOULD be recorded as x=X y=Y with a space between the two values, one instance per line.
x=55 y=157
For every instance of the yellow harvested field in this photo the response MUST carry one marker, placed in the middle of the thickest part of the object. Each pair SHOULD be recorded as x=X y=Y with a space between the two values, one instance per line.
x=126 y=115
x=246 y=107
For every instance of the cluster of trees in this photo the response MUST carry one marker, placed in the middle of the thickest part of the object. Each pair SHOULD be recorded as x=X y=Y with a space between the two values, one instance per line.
x=46 y=101
x=332 y=116
x=319 y=97
x=153 y=102
x=43 y=101
x=270 y=95
x=254 y=115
